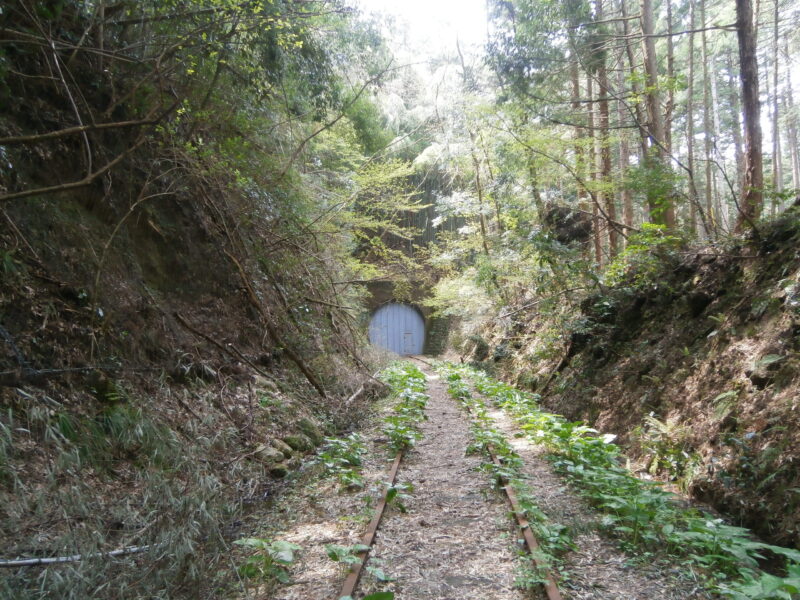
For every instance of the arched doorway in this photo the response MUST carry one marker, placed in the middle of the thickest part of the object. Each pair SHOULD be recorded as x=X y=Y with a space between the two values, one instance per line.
x=399 y=328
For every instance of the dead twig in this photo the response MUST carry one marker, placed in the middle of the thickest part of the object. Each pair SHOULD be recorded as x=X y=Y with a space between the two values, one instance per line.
x=38 y=562
x=272 y=330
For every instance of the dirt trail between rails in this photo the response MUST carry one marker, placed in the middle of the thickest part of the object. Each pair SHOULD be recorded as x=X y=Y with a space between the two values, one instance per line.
x=456 y=541
x=597 y=568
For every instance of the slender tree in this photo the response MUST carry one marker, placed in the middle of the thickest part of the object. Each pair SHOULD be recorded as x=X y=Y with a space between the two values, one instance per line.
x=690 y=126
x=777 y=161
x=752 y=193
x=661 y=209
x=791 y=128
x=603 y=93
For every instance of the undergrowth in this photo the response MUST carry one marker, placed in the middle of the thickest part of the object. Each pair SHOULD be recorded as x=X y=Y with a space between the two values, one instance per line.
x=114 y=479
x=402 y=426
x=342 y=458
x=645 y=518
x=554 y=538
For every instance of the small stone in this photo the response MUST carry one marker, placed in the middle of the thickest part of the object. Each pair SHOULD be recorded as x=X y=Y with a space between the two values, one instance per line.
x=299 y=442
x=279 y=471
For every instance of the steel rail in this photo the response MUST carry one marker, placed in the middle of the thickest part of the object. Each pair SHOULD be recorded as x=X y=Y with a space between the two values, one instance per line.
x=351 y=581
x=550 y=585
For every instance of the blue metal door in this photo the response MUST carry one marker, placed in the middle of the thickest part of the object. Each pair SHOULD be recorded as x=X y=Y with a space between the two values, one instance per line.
x=399 y=328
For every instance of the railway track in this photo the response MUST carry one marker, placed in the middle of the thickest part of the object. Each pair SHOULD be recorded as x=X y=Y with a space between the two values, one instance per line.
x=348 y=589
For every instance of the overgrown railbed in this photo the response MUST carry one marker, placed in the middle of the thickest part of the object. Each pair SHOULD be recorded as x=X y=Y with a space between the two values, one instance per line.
x=172 y=475
x=643 y=516
x=554 y=539
x=338 y=492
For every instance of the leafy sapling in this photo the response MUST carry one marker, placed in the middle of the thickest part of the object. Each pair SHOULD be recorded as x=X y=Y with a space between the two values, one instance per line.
x=272 y=560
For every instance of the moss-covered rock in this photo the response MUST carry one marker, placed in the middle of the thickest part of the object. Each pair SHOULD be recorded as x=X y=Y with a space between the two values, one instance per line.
x=268 y=454
x=282 y=447
x=279 y=471
x=311 y=430
x=299 y=442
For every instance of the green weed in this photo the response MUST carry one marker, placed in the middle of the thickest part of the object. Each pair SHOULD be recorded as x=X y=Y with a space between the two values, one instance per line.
x=342 y=458
x=554 y=538
x=271 y=561
x=402 y=426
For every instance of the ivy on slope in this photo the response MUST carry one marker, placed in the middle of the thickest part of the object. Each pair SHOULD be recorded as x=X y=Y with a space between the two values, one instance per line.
x=642 y=514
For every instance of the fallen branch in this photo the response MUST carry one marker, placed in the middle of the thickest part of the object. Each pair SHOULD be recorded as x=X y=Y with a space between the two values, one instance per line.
x=40 y=562
x=539 y=301
x=331 y=304
x=43 y=137
x=230 y=349
x=63 y=187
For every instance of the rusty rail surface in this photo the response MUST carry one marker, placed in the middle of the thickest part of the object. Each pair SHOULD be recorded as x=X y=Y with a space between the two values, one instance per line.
x=351 y=581
x=550 y=586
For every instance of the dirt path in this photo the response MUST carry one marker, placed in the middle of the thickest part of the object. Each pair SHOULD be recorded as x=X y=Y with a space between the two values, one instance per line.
x=456 y=541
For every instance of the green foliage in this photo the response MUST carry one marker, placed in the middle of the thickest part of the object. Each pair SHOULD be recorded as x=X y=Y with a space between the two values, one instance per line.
x=345 y=555
x=655 y=180
x=369 y=125
x=644 y=259
x=641 y=514
x=402 y=426
x=271 y=561
x=764 y=586
x=666 y=445
x=554 y=538
x=398 y=494
x=342 y=457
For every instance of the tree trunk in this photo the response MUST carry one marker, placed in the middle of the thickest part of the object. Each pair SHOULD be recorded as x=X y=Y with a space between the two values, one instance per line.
x=690 y=127
x=707 y=128
x=624 y=159
x=721 y=208
x=736 y=124
x=592 y=175
x=777 y=161
x=580 y=158
x=641 y=119
x=752 y=194
x=791 y=129
x=671 y=76
x=606 y=189
x=661 y=209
